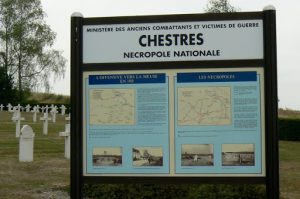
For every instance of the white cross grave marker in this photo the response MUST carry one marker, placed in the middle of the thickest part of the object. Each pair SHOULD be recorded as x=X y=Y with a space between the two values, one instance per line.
x=28 y=108
x=9 y=107
x=1 y=107
x=46 y=108
x=53 y=113
x=14 y=111
x=17 y=118
x=19 y=107
x=66 y=134
x=26 y=144
x=63 y=109
x=37 y=108
x=45 y=118
x=43 y=109
x=35 y=111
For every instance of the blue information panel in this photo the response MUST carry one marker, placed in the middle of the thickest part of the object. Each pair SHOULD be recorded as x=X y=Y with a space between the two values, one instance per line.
x=193 y=122
x=218 y=123
x=127 y=123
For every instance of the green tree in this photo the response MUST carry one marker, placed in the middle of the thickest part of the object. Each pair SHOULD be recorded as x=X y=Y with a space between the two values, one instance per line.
x=218 y=6
x=26 y=42
x=7 y=91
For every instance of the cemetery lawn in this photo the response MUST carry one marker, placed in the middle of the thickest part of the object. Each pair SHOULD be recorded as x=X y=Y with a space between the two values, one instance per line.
x=289 y=165
x=48 y=176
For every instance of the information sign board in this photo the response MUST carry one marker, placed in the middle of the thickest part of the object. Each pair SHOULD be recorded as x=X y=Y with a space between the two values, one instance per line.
x=176 y=98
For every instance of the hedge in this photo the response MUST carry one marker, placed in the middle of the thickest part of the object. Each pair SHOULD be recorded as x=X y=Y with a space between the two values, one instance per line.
x=289 y=129
x=168 y=191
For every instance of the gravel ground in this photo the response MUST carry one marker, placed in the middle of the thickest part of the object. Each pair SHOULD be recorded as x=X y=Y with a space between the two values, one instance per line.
x=52 y=195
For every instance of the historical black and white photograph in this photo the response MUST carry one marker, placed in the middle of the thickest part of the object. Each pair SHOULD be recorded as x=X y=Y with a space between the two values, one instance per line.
x=197 y=155
x=107 y=156
x=238 y=155
x=147 y=156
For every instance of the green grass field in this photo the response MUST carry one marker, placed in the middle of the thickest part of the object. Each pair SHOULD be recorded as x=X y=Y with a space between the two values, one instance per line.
x=49 y=98
x=289 y=157
x=48 y=176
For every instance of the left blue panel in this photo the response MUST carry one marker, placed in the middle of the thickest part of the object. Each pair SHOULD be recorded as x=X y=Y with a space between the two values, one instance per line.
x=127 y=124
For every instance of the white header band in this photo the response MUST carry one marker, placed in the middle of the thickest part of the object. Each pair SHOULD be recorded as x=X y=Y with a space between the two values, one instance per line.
x=173 y=41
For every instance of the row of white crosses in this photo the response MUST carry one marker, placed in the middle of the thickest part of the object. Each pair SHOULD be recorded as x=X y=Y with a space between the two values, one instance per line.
x=17 y=117
x=35 y=108
x=26 y=135
x=46 y=117
x=11 y=108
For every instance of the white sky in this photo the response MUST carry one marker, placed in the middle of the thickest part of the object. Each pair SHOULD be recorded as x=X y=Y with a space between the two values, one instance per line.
x=155 y=151
x=197 y=148
x=288 y=31
x=108 y=151
x=237 y=147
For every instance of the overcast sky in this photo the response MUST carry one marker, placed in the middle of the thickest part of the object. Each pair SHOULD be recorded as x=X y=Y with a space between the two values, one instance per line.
x=288 y=31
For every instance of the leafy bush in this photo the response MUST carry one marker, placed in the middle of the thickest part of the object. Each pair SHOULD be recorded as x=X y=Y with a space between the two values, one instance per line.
x=134 y=191
x=289 y=129
x=139 y=191
x=228 y=192
x=8 y=93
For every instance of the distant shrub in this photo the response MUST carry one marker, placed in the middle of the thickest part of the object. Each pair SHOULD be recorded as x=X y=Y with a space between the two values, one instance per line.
x=228 y=192
x=49 y=98
x=289 y=129
x=135 y=191
x=8 y=94
x=139 y=191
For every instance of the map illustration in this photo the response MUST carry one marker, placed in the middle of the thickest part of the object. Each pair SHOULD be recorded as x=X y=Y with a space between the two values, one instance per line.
x=204 y=105
x=112 y=106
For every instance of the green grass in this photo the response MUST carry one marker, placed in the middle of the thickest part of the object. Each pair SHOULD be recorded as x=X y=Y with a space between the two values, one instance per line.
x=289 y=153
x=288 y=113
x=49 y=98
x=50 y=171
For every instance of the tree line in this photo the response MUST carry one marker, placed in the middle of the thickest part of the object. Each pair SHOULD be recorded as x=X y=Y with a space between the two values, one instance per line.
x=27 y=58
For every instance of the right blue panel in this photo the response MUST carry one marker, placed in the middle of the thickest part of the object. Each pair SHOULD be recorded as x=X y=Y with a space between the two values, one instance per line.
x=218 y=126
